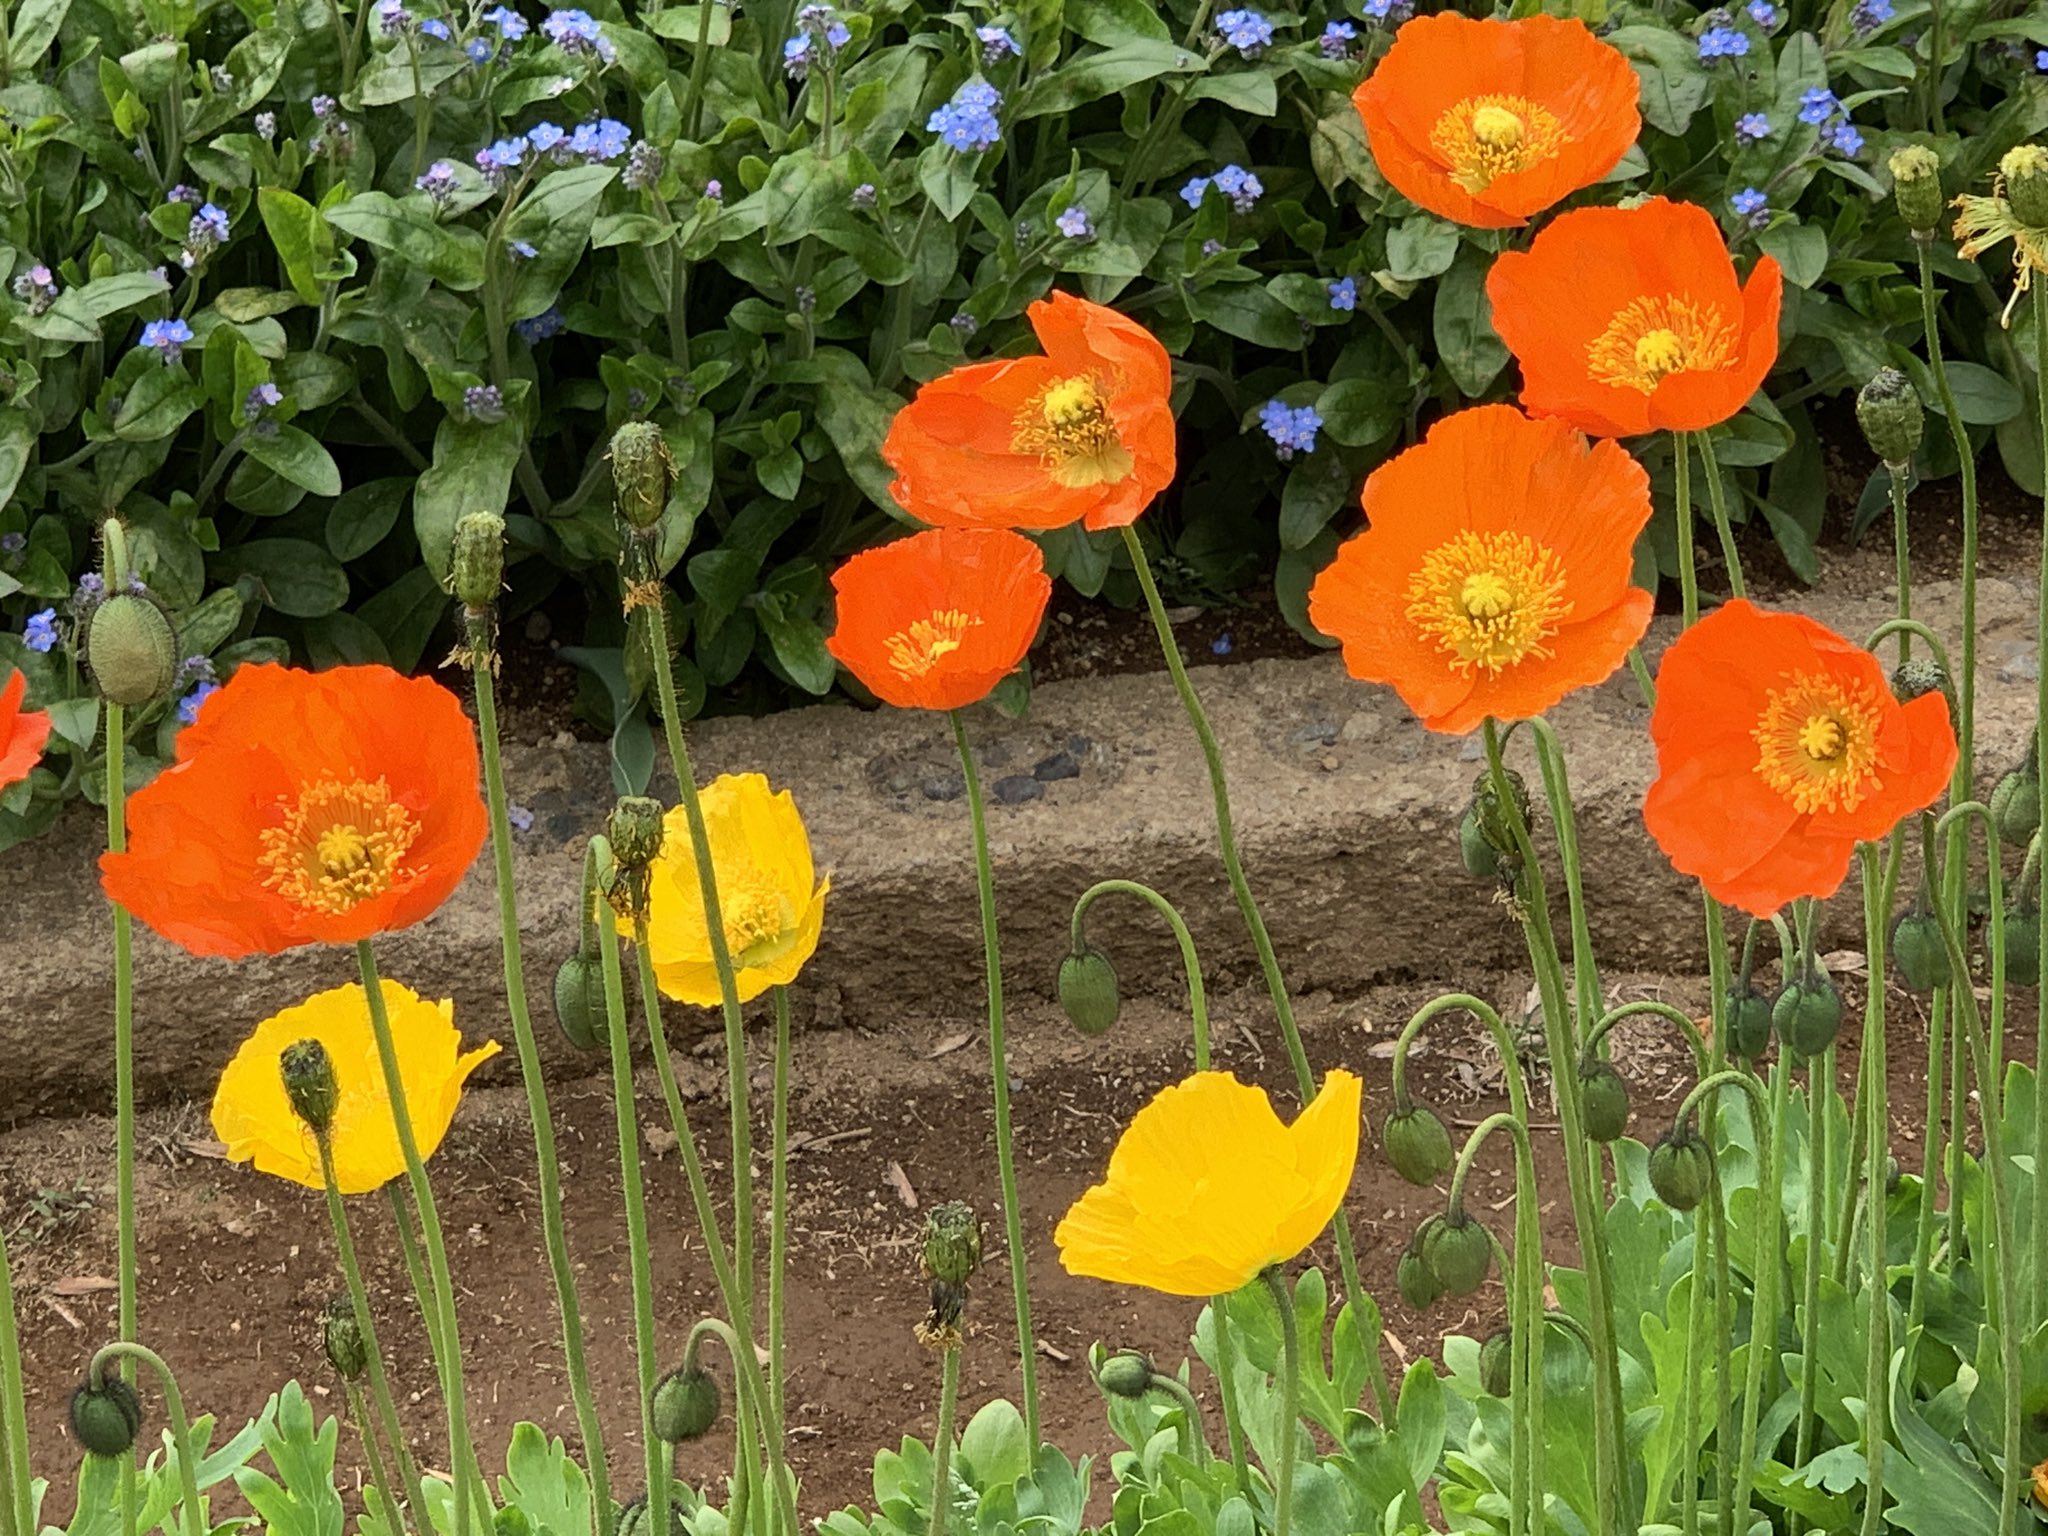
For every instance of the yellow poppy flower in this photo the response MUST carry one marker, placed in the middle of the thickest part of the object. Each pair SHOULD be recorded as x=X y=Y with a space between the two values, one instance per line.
x=253 y=1116
x=769 y=896
x=1206 y=1187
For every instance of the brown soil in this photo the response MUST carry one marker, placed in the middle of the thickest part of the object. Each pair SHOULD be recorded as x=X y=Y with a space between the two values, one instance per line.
x=237 y=1266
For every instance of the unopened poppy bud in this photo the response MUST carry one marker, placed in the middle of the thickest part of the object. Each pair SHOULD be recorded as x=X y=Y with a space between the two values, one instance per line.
x=477 y=562
x=1807 y=1013
x=685 y=1405
x=1417 y=1144
x=1481 y=858
x=1417 y=1282
x=1496 y=1362
x=952 y=1242
x=1889 y=411
x=1919 y=677
x=1127 y=1373
x=2021 y=925
x=132 y=649
x=1088 y=991
x=1918 y=950
x=308 y=1074
x=1603 y=1100
x=342 y=1341
x=106 y=1416
x=1459 y=1252
x=1490 y=813
x=1681 y=1168
x=640 y=473
x=1916 y=184
x=2025 y=169
x=1749 y=1023
x=2016 y=803
x=579 y=1002
x=634 y=829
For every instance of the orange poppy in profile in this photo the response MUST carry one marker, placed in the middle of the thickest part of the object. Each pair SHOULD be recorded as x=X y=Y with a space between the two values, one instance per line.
x=1630 y=320
x=1780 y=747
x=936 y=620
x=1081 y=433
x=1487 y=122
x=304 y=808
x=1493 y=575
x=22 y=732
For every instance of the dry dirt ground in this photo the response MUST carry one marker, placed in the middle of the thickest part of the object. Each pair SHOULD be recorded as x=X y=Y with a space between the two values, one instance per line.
x=237 y=1266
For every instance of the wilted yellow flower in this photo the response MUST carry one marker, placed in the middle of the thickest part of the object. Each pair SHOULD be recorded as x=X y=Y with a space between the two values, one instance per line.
x=769 y=896
x=253 y=1115
x=1206 y=1187
x=2014 y=211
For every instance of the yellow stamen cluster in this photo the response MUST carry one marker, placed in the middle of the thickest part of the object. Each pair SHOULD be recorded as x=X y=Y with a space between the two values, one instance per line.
x=1068 y=427
x=337 y=845
x=1817 y=742
x=1649 y=339
x=1485 y=137
x=915 y=651
x=1489 y=599
x=752 y=910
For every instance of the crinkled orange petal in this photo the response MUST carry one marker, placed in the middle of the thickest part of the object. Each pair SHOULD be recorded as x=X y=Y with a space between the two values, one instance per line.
x=22 y=731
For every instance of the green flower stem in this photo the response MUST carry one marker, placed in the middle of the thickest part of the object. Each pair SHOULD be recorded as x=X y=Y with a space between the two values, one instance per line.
x=380 y=1475
x=182 y=1450
x=1878 y=1359
x=1194 y=1436
x=942 y=1441
x=366 y=1325
x=1902 y=558
x=1764 y=1268
x=547 y=1163
x=415 y=1268
x=632 y=1192
x=1688 y=577
x=1290 y=1399
x=778 y=1202
x=2039 y=305
x=1651 y=1007
x=1504 y=1043
x=1820 y=1074
x=1930 y=1169
x=1558 y=793
x=116 y=571
x=999 y=1067
x=1191 y=964
x=1610 y=1444
x=1717 y=498
x=17 y=1510
x=420 y=107
x=461 y=1455
x=1843 y=1270
x=341 y=47
x=1966 y=675
x=1226 y=1387
x=1255 y=924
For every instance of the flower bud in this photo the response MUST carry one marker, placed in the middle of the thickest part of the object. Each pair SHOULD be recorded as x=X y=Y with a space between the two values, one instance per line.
x=640 y=471
x=1489 y=814
x=1417 y=1144
x=1481 y=858
x=477 y=563
x=132 y=649
x=1918 y=950
x=1088 y=991
x=685 y=1405
x=1888 y=409
x=2021 y=925
x=952 y=1242
x=1418 y=1283
x=634 y=1519
x=579 y=1002
x=1126 y=1374
x=308 y=1075
x=1603 y=1100
x=1919 y=677
x=1681 y=1168
x=1459 y=1252
x=1496 y=1362
x=106 y=1416
x=2025 y=169
x=343 y=1342
x=1807 y=1013
x=1749 y=1023
x=2016 y=803
x=634 y=830
x=1916 y=184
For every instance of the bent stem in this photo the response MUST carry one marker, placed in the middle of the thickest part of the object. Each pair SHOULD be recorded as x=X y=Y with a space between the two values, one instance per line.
x=1717 y=498
x=548 y=1165
x=174 y=1410
x=1191 y=964
x=1269 y=963
x=999 y=1066
x=1290 y=1399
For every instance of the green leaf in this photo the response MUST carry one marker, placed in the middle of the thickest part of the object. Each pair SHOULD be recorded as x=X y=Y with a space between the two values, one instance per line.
x=556 y=221
x=294 y=576
x=1421 y=246
x=205 y=627
x=1255 y=94
x=710 y=24
x=994 y=1447
x=452 y=255
x=405 y=614
x=17 y=442
x=157 y=405
x=1801 y=249
x=471 y=472
x=1104 y=73
x=299 y=236
x=1360 y=412
x=1462 y=325
x=1674 y=85
x=34 y=28
x=1936 y=1492
x=76 y=720
x=1107 y=23
x=798 y=643
x=77 y=314
x=543 y=1482
x=363 y=515
x=1984 y=397
x=1314 y=493
x=294 y=455
x=1248 y=312
x=344 y=640
x=947 y=178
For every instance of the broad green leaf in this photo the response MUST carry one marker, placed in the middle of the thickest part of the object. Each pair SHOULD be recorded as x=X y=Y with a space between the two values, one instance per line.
x=1360 y=412
x=406 y=614
x=993 y=1445
x=1462 y=325
x=17 y=442
x=1107 y=23
x=452 y=255
x=1674 y=84
x=32 y=29
x=157 y=405
x=295 y=455
x=1419 y=247
x=471 y=472
x=299 y=236
x=1801 y=249
x=363 y=515
x=294 y=576
x=1316 y=489
x=1104 y=73
x=1248 y=312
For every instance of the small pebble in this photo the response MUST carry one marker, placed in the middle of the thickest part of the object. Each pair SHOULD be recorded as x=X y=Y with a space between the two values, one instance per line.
x=1017 y=788
x=948 y=786
x=1060 y=765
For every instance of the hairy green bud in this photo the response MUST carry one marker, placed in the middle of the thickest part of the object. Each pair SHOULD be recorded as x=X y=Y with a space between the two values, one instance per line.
x=1916 y=185
x=1749 y=1023
x=132 y=649
x=477 y=561
x=952 y=1242
x=2025 y=169
x=1919 y=952
x=1603 y=1099
x=1417 y=1282
x=1496 y=1362
x=1089 y=992
x=2021 y=925
x=106 y=1416
x=1889 y=411
x=342 y=1341
x=308 y=1074
x=685 y=1405
x=1417 y=1144
x=1127 y=1374
x=1807 y=1013
x=2016 y=803
x=579 y=1002
x=640 y=473
x=634 y=829
x=1681 y=1168
x=1460 y=1253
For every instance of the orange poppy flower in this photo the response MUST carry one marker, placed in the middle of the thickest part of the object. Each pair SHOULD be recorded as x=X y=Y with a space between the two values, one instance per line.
x=22 y=732
x=1628 y=320
x=1780 y=747
x=936 y=620
x=1487 y=122
x=304 y=808
x=1493 y=578
x=1082 y=433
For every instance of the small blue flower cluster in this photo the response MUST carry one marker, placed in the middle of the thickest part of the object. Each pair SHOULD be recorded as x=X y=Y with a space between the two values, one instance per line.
x=439 y=181
x=597 y=142
x=1075 y=224
x=1343 y=294
x=1825 y=112
x=1233 y=181
x=261 y=397
x=1292 y=428
x=40 y=634
x=1752 y=128
x=1336 y=41
x=996 y=45
x=2041 y=61
x=485 y=404
x=1722 y=43
x=1763 y=13
x=576 y=33
x=1247 y=31
x=968 y=123
x=819 y=34
x=1866 y=16
x=1396 y=11
x=393 y=18
x=167 y=338
x=548 y=322
x=197 y=671
x=1752 y=206
x=37 y=288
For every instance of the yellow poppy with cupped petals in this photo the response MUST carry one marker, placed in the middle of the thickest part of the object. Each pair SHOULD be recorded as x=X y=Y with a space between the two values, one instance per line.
x=770 y=900
x=1206 y=1187
x=254 y=1117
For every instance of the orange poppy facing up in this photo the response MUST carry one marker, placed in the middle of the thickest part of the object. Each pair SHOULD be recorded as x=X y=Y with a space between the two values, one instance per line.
x=1493 y=578
x=1630 y=320
x=304 y=808
x=1487 y=122
x=1082 y=433
x=22 y=732
x=1780 y=747
x=936 y=620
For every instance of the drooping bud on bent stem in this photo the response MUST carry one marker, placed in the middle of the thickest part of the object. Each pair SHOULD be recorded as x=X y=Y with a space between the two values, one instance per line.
x=1889 y=411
